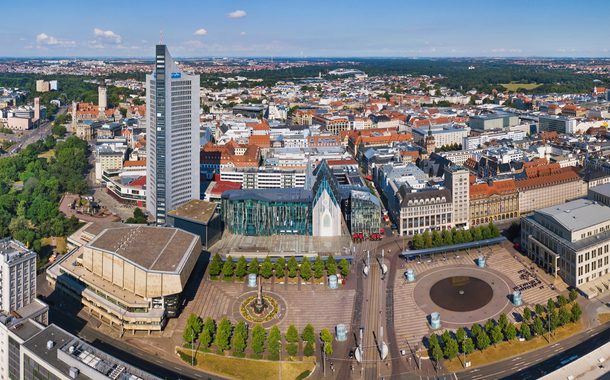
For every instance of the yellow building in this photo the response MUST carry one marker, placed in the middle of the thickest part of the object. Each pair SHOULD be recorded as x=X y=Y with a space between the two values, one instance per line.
x=493 y=202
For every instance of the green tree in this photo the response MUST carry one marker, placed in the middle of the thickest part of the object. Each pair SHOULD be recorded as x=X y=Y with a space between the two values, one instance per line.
x=241 y=268
x=292 y=334
x=493 y=229
x=468 y=346
x=482 y=340
x=253 y=266
x=292 y=349
x=458 y=237
x=539 y=309
x=215 y=265
x=489 y=325
x=437 y=239
x=447 y=237
x=550 y=305
x=485 y=232
x=436 y=353
x=460 y=334
x=538 y=326
x=446 y=337
x=223 y=335
x=331 y=265
x=193 y=328
x=561 y=300
x=274 y=343
x=502 y=321
x=564 y=316
x=308 y=334
x=293 y=267
x=240 y=338
x=496 y=335
x=228 y=267
x=526 y=333
x=305 y=269
x=207 y=334
x=477 y=234
x=279 y=266
x=451 y=349
x=428 y=243
x=576 y=312
x=476 y=329
x=573 y=295
x=318 y=267
x=467 y=236
x=266 y=269
x=344 y=267
x=138 y=217
x=527 y=314
x=308 y=350
x=510 y=332
x=259 y=335
x=418 y=241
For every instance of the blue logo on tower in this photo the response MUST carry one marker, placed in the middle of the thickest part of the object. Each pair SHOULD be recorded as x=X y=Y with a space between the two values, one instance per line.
x=176 y=75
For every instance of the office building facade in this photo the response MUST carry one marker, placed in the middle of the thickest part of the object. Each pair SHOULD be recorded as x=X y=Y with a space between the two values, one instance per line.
x=18 y=271
x=172 y=109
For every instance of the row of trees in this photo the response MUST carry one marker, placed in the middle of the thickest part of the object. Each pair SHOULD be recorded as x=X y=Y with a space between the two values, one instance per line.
x=225 y=336
x=30 y=212
x=306 y=270
x=450 y=147
x=454 y=236
x=449 y=345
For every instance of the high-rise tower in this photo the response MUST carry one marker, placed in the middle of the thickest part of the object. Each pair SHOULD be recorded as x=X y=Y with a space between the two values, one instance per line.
x=172 y=138
x=102 y=102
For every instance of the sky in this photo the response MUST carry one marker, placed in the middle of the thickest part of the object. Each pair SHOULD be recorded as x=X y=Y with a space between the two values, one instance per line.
x=309 y=28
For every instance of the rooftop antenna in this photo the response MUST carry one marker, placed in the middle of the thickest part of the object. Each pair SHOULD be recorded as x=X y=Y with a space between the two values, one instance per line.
x=161 y=37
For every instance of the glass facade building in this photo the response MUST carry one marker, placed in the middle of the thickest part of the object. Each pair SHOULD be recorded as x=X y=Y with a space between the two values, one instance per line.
x=364 y=212
x=267 y=212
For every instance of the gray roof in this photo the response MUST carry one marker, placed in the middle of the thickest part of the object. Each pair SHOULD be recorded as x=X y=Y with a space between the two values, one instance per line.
x=577 y=214
x=601 y=189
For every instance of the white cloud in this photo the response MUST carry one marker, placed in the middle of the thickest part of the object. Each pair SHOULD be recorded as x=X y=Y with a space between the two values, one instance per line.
x=242 y=33
x=44 y=39
x=108 y=36
x=200 y=32
x=237 y=14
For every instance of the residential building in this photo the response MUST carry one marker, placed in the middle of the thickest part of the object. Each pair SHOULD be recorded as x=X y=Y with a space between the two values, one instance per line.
x=172 y=141
x=18 y=275
x=571 y=240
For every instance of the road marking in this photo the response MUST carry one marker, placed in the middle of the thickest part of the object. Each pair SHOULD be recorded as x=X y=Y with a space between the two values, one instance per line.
x=558 y=349
x=517 y=358
x=555 y=345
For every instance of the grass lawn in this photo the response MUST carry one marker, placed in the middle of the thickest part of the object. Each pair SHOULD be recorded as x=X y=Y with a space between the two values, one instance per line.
x=238 y=368
x=603 y=318
x=506 y=350
x=48 y=154
x=515 y=86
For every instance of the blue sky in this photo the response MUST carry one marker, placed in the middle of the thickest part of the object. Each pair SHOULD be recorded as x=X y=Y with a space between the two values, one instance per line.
x=295 y=28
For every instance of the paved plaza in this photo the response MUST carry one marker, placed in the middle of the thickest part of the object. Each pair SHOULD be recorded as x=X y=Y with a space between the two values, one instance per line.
x=281 y=245
x=506 y=271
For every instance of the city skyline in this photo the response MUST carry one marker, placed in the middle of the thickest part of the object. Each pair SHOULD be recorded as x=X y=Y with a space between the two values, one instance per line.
x=315 y=29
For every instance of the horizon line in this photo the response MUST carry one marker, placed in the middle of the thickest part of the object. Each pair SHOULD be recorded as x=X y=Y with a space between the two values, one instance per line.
x=114 y=57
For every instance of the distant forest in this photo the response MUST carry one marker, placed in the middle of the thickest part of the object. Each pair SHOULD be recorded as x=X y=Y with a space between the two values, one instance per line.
x=488 y=74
